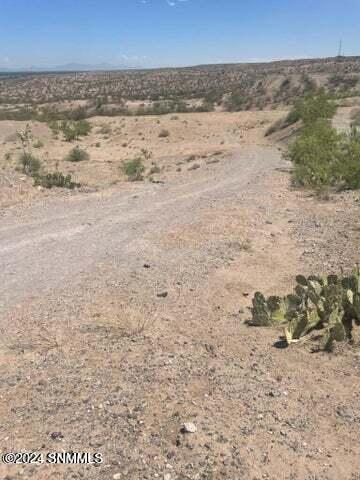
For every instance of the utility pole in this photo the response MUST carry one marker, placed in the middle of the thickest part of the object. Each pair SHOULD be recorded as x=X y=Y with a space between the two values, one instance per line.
x=340 y=49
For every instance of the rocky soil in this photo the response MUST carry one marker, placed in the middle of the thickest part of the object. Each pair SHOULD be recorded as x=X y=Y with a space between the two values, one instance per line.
x=123 y=329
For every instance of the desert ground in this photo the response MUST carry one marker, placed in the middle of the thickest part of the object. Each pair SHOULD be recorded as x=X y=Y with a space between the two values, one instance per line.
x=123 y=307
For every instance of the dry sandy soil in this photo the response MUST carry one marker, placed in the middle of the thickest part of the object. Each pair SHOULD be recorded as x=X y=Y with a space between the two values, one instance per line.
x=190 y=135
x=123 y=316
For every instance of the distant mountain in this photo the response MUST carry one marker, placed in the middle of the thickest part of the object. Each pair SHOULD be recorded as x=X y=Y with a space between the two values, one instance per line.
x=68 y=67
x=84 y=67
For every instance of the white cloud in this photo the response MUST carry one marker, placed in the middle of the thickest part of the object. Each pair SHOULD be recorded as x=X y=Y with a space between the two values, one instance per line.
x=171 y=3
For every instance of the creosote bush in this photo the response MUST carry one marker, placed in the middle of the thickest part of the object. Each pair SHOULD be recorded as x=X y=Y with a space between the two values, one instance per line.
x=134 y=169
x=322 y=156
x=30 y=164
x=77 y=154
x=72 y=130
x=308 y=109
x=314 y=107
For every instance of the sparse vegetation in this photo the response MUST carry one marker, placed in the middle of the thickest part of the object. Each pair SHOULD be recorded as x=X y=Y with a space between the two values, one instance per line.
x=322 y=156
x=312 y=107
x=30 y=164
x=315 y=155
x=74 y=130
x=315 y=107
x=77 y=154
x=56 y=179
x=134 y=169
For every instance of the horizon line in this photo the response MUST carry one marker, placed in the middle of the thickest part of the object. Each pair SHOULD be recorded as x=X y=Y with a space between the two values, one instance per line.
x=97 y=68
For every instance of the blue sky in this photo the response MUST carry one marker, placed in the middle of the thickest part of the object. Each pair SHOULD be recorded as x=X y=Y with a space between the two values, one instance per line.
x=173 y=32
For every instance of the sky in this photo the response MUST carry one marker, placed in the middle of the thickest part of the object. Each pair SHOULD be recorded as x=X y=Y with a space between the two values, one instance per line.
x=155 y=33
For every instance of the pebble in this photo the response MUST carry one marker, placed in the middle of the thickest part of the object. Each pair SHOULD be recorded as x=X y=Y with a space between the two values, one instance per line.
x=162 y=294
x=189 y=427
x=117 y=476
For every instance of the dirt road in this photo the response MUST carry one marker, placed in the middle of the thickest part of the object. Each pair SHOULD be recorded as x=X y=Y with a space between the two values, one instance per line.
x=51 y=244
x=123 y=316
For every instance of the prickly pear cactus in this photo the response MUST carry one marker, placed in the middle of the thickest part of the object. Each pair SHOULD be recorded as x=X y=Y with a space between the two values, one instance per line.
x=301 y=325
x=329 y=303
x=266 y=313
x=335 y=332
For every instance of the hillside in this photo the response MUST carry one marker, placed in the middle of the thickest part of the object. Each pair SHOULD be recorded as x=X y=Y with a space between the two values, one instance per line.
x=231 y=87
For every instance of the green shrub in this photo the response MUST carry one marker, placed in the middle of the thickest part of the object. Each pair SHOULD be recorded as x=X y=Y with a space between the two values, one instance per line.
x=29 y=163
x=315 y=154
x=56 y=179
x=77 y=154
x=74 y=130
x=69 y=132
x=309 y=109
x=323 y=157
x=348 y=168
x=134 y=169
x=82 y=128
x=314 y=107
x=292 y=117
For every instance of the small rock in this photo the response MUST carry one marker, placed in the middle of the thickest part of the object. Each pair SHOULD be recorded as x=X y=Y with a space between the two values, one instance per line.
x=273 y=393
x=162 y=294
x=146 y=265
x=189 y=427
x=117 y=476
x=56 y=435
